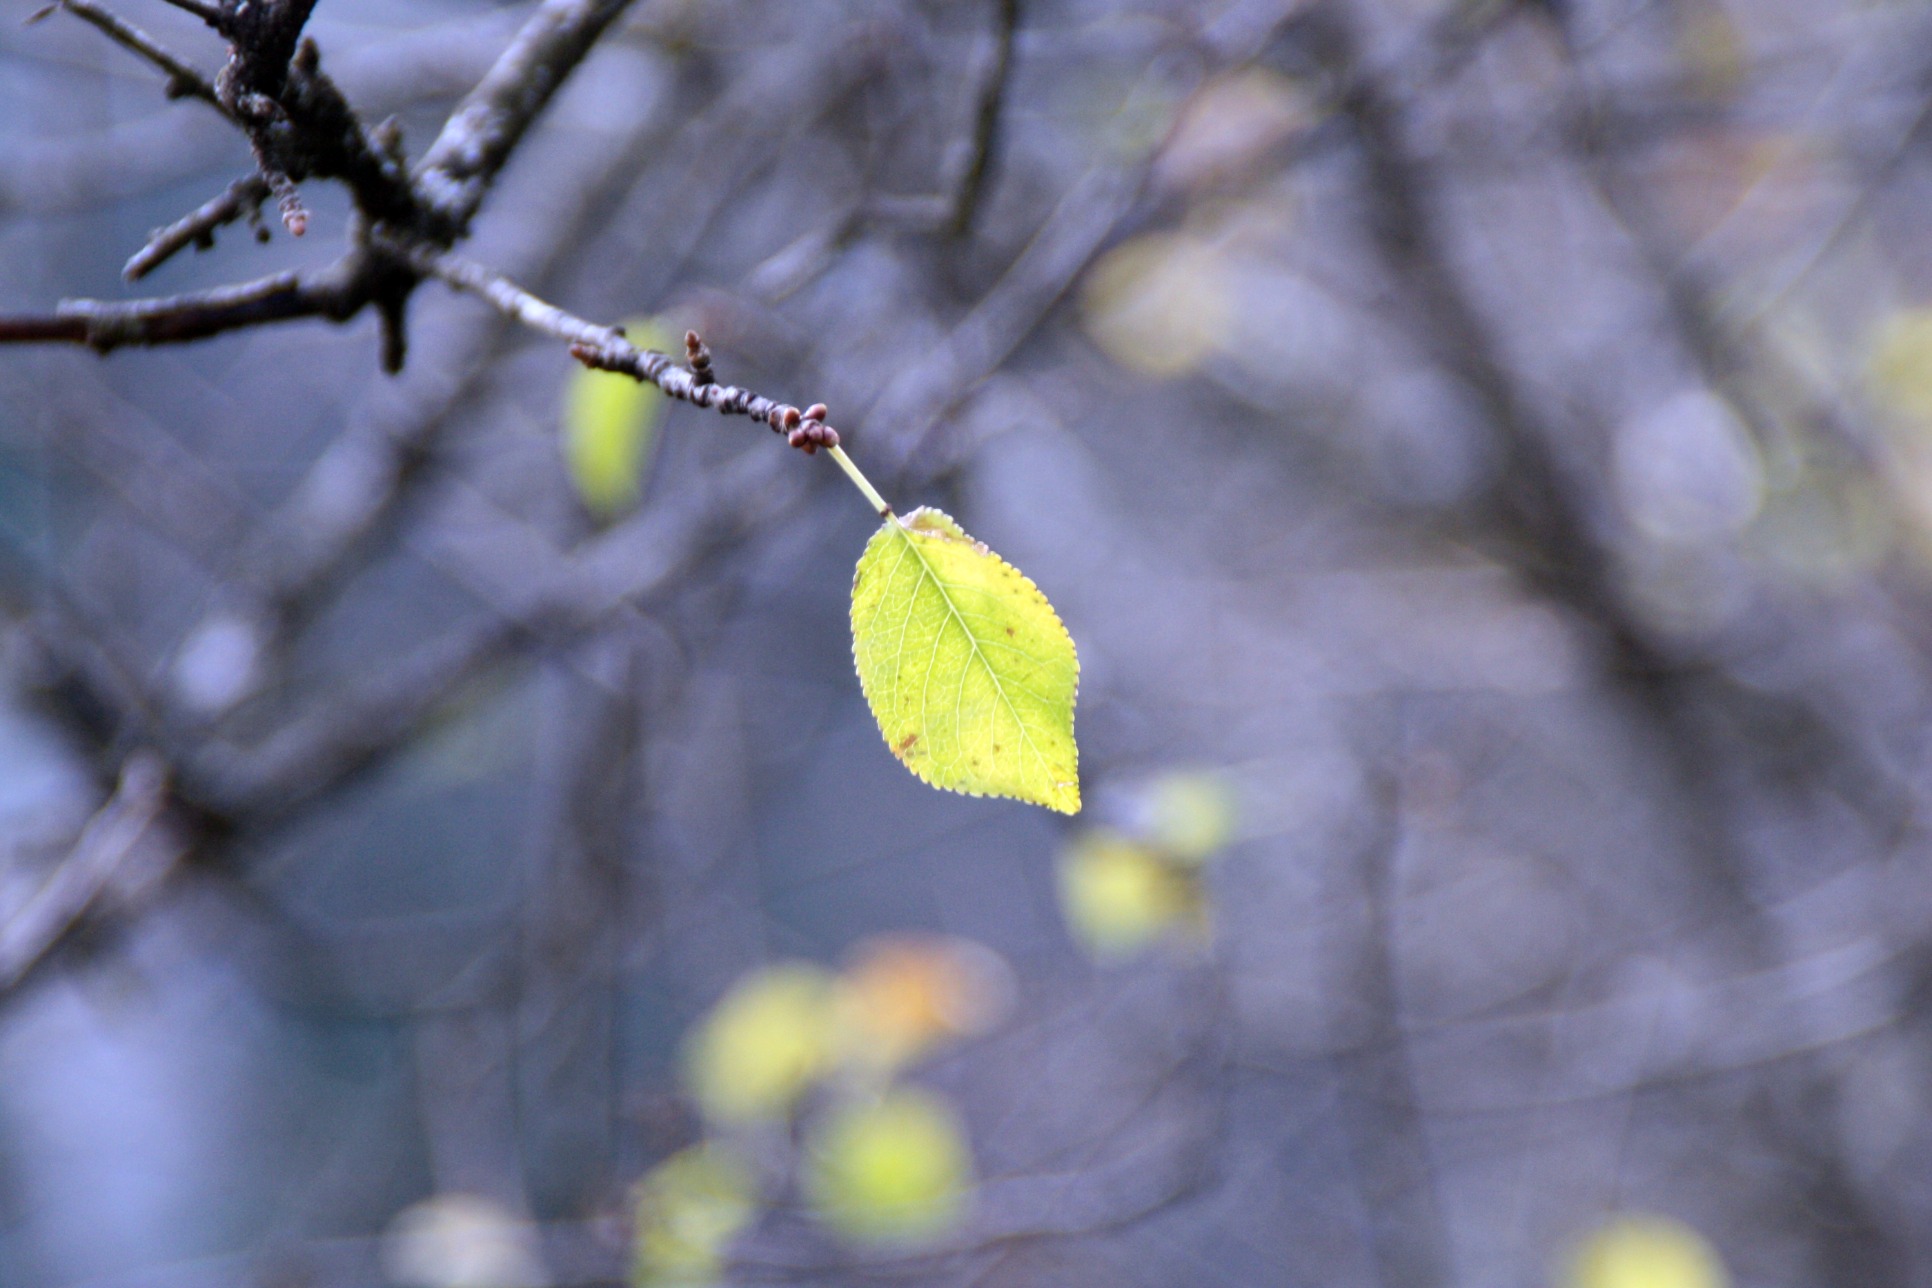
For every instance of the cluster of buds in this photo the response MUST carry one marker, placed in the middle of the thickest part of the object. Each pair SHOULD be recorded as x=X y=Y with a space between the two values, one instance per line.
x=807 y=430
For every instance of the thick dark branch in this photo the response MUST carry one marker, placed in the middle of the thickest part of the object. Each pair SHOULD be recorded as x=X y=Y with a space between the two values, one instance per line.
x=986 y=119
x=336 y=293
x=183 y=80
x=242 y=199
x=263 y=36
x=479 y=136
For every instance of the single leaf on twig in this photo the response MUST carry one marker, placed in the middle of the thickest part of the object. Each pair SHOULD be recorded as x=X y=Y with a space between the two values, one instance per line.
x=968 y=670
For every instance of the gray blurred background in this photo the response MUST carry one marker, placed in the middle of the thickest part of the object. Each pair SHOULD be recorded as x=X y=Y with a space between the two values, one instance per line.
x=1494 y=435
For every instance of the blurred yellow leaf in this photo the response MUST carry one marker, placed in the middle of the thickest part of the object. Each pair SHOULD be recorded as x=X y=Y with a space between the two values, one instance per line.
x=461 y=1241
x=1647 y=1252
x=1119 y=897
x=688 y=1209
x=1901 y=364
x=1832 y=528
x=1716 y=59
x=610 y=425
x=889 y=1170
x=1159 y=304
x=904 y=993
x=1230 y=126
x=763 y=1044
x=1190 y=816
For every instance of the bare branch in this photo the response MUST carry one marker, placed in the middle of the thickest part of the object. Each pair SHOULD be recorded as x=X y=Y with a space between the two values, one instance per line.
x=336 y=293
x=606 y=349
x=116 y=834
x=334 y=740
x=184 y=81
x=242 y=199
x=985 y=142
x=263 y=39
x=486 y=126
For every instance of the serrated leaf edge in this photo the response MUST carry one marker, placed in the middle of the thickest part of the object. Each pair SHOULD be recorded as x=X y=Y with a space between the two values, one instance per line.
x=911 y=535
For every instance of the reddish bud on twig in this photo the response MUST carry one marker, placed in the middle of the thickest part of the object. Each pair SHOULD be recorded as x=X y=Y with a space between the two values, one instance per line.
x=698 y=358
x=811 y=434
x=289 y=201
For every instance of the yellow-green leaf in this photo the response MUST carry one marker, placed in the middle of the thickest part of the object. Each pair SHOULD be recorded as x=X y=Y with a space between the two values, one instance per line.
x=1190 y=816
x=1901 y=364
x=763 y=1044
x=888 y=1170
x=1647 y=1252
x=969 y=672
x=610 y=423
x=688 y=1210
x=1160 y=303
x=1119 y=897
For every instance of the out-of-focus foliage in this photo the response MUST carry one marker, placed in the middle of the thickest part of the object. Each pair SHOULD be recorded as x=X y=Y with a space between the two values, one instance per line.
x=1230 y=126
x=1125 y=891
x=881 y=1160
x=1493 y=434
x=902 y=995
x=970 y=674
x=685 y=1213
x=894 y=1168
x=1119 y=896
x=1160 y=303
x=461 y=1241
x=1646 y=1252
x=764 y=1044
x=610 y=424
x=1189 y=815
x=1901 y=364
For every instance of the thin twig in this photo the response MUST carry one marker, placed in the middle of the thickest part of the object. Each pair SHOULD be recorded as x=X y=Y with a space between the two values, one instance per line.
x=606 y=349
x=486 y=126
x=241 y=199
x=184 y=81
x=115 y=834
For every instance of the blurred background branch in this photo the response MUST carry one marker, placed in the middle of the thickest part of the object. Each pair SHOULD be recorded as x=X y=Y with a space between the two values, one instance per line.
x=1481 y=450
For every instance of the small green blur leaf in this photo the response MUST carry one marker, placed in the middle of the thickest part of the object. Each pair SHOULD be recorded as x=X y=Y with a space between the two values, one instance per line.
x=763 y=1044
x=1190 y=815
x=688 y=1209
x=1119 y=896
x=968 y=670
x=895 y=1169
x=610 y=426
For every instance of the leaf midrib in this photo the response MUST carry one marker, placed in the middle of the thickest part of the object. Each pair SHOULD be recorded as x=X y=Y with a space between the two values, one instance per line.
x=926 y=570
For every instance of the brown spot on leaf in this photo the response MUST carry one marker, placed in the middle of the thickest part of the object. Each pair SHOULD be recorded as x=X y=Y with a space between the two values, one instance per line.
x=905 y=744
x=1009 y=630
